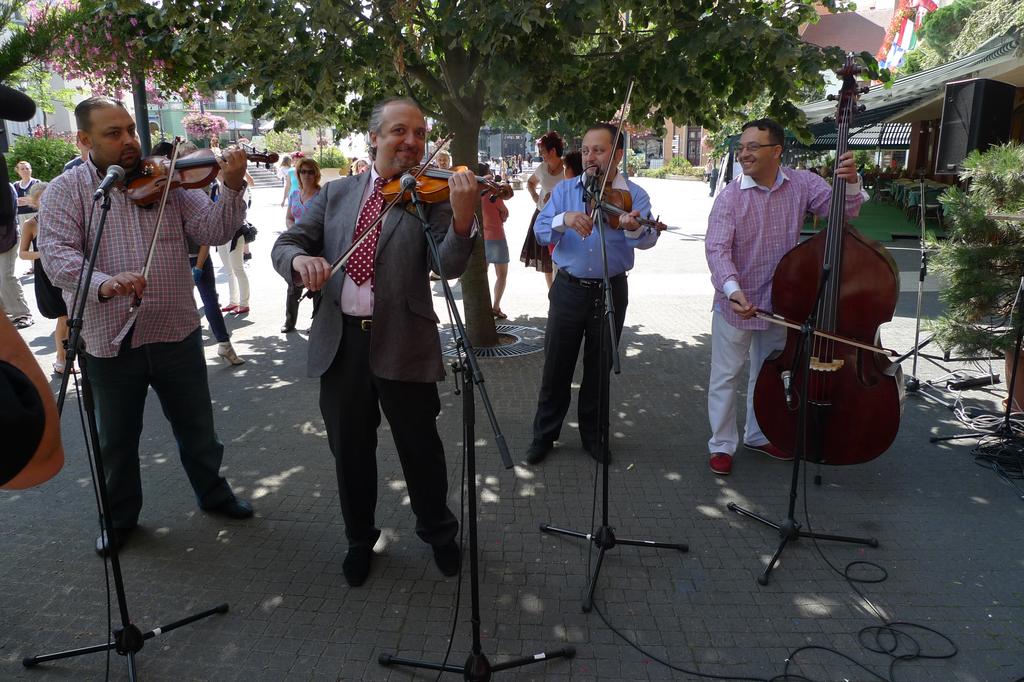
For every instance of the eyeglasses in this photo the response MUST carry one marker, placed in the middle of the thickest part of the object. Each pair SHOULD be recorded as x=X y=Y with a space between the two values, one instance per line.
x=307 y=171
x=754 y=147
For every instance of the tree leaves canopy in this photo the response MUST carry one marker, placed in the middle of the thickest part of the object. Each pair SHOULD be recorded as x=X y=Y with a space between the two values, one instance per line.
x=326 y=62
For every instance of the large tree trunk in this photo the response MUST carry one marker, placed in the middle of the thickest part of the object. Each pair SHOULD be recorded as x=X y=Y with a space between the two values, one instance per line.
x=476 y=292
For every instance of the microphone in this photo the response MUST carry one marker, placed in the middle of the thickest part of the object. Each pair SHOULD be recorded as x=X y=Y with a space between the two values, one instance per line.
x=15 y=106
x=115 y=174
x=407 y=182
x=787 y=378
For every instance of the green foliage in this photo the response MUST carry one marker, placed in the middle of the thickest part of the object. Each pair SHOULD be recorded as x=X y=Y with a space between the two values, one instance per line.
x=282 y=142
x=678 y=165
x=941 y=27
x=982 y=258
x=468 y=62
x=46 y=154
x=635 y=161
x=864 y=157
x=959 y=29
x=35 y=82
x=331 y=157
x=49 y=22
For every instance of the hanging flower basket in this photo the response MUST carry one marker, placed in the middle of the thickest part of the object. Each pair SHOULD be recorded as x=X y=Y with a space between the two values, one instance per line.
x=204 y=126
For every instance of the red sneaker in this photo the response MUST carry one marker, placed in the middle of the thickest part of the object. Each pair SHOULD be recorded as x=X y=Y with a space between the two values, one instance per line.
x=241 y=310
x=770 y=450
x=721 y=463
x=228 y=308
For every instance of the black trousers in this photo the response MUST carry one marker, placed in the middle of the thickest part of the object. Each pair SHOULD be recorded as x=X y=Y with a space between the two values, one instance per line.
x=574 y=316
x=291 y=304
x=351 y=400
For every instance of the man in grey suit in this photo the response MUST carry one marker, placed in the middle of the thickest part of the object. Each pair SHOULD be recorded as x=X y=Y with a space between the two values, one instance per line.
x=374 y=341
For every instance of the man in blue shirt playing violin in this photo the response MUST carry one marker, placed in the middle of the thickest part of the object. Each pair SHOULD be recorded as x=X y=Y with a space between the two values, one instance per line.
x=575 y=313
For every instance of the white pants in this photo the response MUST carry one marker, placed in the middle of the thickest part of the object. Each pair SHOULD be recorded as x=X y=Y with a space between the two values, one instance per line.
x=12 y=299
x=729 y=350
x=234 y=264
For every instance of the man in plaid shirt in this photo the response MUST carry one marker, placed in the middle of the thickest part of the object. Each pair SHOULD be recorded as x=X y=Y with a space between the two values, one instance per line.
x=755 y=221
x=158 y=343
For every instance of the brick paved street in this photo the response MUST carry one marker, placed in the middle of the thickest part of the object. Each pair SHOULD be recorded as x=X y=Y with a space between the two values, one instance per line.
x=950 y=532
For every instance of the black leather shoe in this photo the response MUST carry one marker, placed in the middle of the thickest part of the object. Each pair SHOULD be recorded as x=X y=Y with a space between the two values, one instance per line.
x=537 y=451
x=121 y=536
x=232 y=508
x=356 y=566
x=448 y=558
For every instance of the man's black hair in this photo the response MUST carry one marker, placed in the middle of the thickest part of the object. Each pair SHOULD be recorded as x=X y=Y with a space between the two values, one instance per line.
x=83 y=111
x=776 y=135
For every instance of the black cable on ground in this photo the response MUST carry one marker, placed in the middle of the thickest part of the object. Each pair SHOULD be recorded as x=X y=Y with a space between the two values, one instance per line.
x=1004 y=455
x=890 y=638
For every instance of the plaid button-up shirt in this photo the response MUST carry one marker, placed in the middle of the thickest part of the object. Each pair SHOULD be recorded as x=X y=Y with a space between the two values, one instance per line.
x=168 y=311
x=751 y=228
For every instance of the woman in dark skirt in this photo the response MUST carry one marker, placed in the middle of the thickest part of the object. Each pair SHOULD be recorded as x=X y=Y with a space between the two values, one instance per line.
x=49 y=299
x=548 y=174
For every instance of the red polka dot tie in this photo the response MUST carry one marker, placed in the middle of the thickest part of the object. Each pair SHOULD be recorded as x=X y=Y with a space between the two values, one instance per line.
x=360 y=263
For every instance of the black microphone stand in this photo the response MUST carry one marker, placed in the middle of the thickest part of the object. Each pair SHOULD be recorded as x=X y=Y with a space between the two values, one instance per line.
x=604 y=537
x=477 y=667
x=128 y=639
x=789 y=529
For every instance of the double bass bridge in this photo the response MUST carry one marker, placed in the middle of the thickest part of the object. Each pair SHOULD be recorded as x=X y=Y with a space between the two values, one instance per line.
x=818 y=365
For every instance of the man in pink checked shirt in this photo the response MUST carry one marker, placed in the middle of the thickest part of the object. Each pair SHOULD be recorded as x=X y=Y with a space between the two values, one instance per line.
x=755 y=221
x=158 y=343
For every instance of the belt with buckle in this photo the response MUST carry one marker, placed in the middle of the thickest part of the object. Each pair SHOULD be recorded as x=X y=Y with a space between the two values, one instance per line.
x=364 y=323
x=588 y=283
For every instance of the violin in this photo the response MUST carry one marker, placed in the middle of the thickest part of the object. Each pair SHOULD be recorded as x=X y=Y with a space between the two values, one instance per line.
x=432 y=185
x=619 y=202
x=198 y=169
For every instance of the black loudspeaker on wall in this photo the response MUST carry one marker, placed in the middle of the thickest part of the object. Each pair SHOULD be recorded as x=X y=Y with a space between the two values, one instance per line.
x=976 y=114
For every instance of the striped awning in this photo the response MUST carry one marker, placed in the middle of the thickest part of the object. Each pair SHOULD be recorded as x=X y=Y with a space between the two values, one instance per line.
x=877 y=136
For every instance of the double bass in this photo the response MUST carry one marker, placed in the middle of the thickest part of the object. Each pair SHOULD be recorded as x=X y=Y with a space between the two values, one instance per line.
x=854 y=395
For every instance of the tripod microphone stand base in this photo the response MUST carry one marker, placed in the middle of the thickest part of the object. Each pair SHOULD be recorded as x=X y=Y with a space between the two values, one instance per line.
x=128 y=641
x=477 y=667
x=604 y=539
x=789 y=530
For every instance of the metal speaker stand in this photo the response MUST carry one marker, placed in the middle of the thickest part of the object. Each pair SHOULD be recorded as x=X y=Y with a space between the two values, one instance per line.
x=128 y=639
x=604 y=537
x=477 y=667
x=789 y=528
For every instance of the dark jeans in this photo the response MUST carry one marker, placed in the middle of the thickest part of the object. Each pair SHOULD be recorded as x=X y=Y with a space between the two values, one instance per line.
x=574 y=316
x=177 y=373
x=351 y=399
x=211 y=305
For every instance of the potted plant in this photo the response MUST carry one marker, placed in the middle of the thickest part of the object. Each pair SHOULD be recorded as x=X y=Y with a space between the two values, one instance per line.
x=982 y=258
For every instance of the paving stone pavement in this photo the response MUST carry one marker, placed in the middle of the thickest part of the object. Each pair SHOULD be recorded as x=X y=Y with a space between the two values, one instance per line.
x=949 y=531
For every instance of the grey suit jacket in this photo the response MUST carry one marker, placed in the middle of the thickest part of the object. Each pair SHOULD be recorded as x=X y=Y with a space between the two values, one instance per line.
x=404 y=344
